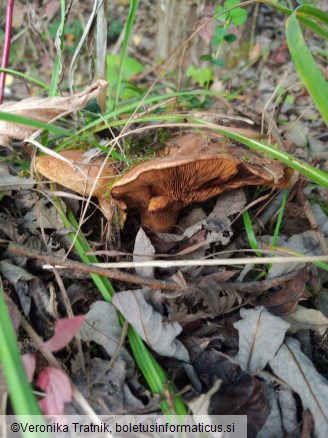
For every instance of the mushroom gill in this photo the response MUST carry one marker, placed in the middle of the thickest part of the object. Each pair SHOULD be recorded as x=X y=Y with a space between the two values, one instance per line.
x=160 y=188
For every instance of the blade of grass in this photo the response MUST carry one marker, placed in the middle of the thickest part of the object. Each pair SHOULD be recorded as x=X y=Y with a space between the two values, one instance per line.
x=316 y=175
x=279 y=220
x=151 y=369
x=310 y=24
x=128 y=28
x=26 y=77
x=305 y=65
x=250 y=233
x=8 y=117
x=20 y=391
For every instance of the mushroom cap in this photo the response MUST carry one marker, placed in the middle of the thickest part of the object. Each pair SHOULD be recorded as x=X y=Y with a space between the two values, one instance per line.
x=163 y=186
x=78 y=175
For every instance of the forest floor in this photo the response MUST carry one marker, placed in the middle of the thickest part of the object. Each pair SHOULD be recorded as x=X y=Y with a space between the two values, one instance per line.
x=259 y=328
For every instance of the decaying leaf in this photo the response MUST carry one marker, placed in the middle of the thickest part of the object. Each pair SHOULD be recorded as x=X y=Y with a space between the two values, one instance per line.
x=282 y=418
x=245 y=396
x=303 y=243
x=207 y=298
x=293 y=367
x=9 y=182
x=142 y=252
x=200 y=405
x=260 y=336
x=102 y=326
x=28 y=288
x=159 y=335
x=44 y=110
x=106 y=389
x=307 y=319
x=284 y=301
x=65 y=330
x=58 y=390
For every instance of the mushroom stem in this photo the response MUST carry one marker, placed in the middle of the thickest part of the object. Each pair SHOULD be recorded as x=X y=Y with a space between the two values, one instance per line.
x=161 y=224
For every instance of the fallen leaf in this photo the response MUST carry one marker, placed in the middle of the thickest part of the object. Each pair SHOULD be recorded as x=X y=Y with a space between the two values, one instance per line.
x=284 y=301
x=282 y=419
x=9 y=182
x=260 y=336
x=293 y=367
x=246 y=396
x=44 y=110
x=143 y=251
x=307 y=319
x=65 y=330
x=58 y=390
x=159 y=335
x=102 y=326
x=106 y=389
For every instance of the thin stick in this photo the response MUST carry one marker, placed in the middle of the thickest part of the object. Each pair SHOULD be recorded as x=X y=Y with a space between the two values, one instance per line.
x=215 y=262
x=14 y=248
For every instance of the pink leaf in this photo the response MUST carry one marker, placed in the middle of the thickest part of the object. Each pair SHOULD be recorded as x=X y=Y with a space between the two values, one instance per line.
x=65 y=330
x=29 y=363
x=58 y=388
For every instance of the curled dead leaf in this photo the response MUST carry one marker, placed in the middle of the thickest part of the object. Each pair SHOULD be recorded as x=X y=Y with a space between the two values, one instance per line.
x=44 y=110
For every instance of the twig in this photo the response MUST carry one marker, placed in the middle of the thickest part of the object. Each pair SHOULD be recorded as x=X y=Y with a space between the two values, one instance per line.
x=213 y=262
x=115 y=274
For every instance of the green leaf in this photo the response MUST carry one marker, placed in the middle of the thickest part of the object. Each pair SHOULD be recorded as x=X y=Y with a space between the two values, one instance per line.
x=305 y=65
x=238 y=16
x=219 y=33
x=230 y=38
x=219 y=16
x=218 y=62
x=206 y=58
x=200 y=75
x=131 y=68
x=231 y=3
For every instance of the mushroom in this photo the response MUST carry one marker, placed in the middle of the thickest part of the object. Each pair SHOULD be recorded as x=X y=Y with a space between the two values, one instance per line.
x=160 y=188
x=79 y=174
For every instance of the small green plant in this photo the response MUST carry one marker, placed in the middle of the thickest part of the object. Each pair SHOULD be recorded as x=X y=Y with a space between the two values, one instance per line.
x=229 y=17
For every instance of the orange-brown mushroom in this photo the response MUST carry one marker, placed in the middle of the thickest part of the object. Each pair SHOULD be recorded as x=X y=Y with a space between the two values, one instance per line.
x=80 y=175
x=160 y=188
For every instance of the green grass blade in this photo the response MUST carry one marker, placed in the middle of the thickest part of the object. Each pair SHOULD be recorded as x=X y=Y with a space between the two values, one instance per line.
x=314 y=174
x=310 y=24
x=279 y=220
x=128 y=28
x=306 y=66
x=20 y=391
x=250 y=233
x=8 y=117
x=26 y=77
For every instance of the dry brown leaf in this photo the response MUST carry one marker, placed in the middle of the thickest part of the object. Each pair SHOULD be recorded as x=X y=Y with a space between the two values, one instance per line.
x=44 y=110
